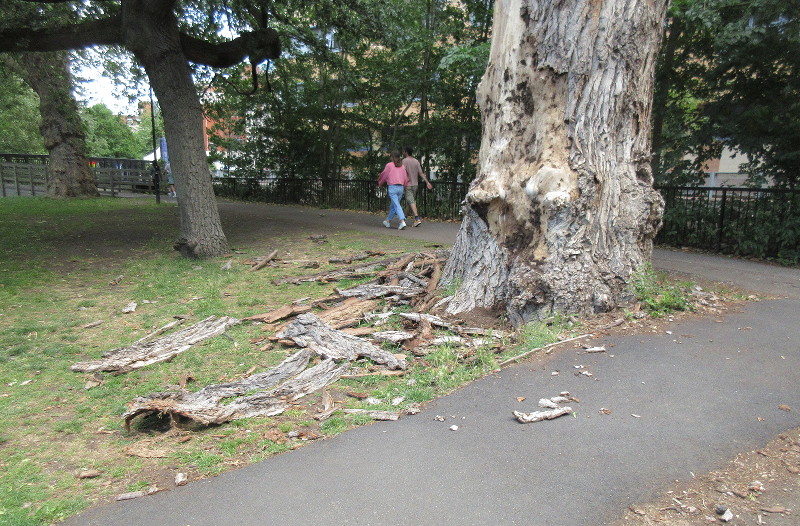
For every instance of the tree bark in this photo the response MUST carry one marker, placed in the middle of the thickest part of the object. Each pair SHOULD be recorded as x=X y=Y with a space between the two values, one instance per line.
x=150 y=32
x=562 y=210
x=61 y=126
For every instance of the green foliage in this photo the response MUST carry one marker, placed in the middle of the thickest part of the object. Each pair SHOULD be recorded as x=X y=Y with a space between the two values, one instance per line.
x=727 y=77
x=19 y=117
x=658 y=294
x=108 y=136
x=362 y=81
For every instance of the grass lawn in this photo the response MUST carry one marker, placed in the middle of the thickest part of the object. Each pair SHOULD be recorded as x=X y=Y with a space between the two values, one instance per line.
x=67 y=264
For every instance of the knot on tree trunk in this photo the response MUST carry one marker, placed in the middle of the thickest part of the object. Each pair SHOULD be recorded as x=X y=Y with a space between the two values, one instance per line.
x=187 y=248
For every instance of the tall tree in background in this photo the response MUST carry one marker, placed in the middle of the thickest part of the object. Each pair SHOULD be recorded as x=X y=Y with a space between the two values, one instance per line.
x=562 y=210
x=60 y=125
x=152 y=31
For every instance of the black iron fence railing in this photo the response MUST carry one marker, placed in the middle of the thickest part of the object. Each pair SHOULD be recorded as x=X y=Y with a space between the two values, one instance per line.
x=443 y=202
x=760 y=222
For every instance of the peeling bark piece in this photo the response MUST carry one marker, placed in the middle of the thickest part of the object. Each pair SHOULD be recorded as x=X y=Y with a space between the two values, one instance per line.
x=398 y=372
x=494 y=333
x=378 y=291
x=335 y=275
x=197 y=405
x=279 y=314
x=359 y=331
x=433 y=320
x=374 y=414
x=547 y=404
x=349 y=310
x=141 y=354
x=381 y=317
x=161 y=330
x=537 y=416
x=264 y=262
x=207 y=410
x=307 y=330
x=394 y=337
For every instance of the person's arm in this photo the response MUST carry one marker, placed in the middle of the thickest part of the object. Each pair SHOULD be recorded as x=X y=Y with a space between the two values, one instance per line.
x=382 y=177
x=425 y=178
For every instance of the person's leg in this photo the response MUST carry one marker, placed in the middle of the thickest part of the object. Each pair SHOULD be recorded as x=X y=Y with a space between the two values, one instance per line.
x=395 y=193
x=411 y=199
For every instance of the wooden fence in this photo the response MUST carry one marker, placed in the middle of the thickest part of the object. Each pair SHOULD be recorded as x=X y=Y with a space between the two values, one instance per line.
x=19 y=179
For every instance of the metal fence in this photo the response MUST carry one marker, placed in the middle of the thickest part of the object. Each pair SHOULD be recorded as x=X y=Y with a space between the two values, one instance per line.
x=760 y=222
x=443 y=202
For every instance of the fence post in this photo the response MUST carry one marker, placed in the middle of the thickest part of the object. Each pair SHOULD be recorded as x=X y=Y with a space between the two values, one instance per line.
x=111 y=176
x=3 y=179
x=16 y=180
x=721 y=218
x=30 y=179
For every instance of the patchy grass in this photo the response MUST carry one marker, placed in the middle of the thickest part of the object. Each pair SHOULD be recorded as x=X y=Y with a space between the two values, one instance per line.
x=659 y=295
x=65 y=265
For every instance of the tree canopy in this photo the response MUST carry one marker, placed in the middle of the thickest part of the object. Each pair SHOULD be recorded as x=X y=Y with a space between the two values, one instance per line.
x=728 y=76
x=348 y=88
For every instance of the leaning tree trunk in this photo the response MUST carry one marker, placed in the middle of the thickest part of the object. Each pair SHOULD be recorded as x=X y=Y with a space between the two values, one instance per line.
x=64 y=136
x=151 y=33
x=562 y=210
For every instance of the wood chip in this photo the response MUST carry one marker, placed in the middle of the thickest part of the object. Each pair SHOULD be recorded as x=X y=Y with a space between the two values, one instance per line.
x=538 y=416
x=774 y=509
x=374 y=414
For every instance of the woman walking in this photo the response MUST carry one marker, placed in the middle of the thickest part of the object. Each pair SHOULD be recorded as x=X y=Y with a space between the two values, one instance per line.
x=394 y=176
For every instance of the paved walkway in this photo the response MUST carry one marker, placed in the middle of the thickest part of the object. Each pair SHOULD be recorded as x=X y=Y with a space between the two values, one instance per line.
x=698 y=394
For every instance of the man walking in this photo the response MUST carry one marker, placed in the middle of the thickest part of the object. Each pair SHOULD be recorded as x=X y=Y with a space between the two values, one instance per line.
x=414 y=171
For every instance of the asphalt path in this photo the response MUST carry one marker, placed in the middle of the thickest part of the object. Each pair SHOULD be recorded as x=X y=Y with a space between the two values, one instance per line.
x=681 y=403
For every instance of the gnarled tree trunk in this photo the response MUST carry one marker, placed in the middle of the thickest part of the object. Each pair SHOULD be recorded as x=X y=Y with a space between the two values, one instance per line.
x=562 y=210
x=64 y=135
x=151 y=33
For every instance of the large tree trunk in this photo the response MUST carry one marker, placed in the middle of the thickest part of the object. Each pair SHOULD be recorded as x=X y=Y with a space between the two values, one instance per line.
x=562 y=210
x=64 y=135
x=151 y=33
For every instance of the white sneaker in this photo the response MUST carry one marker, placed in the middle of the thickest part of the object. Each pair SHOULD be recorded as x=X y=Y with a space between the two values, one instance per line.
x=387 y=224
x=402 y=225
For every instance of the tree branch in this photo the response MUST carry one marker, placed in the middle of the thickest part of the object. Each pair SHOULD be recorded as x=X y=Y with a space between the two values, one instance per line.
x=105 y=32
x=259 y=46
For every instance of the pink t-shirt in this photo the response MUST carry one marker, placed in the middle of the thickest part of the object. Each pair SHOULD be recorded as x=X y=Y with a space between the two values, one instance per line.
x=392 y=174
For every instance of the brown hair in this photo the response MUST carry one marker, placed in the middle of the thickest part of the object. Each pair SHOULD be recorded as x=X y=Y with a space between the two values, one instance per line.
x=396 y=157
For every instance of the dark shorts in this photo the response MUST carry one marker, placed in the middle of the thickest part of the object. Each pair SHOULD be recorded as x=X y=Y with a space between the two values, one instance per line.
x=411 y=195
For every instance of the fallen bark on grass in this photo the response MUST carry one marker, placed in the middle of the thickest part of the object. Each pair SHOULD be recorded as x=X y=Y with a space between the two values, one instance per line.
x=279 y=314
x=220 y=403
x=338 y=274
x=264 y=262
x=307 y=330
x=145 y=353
